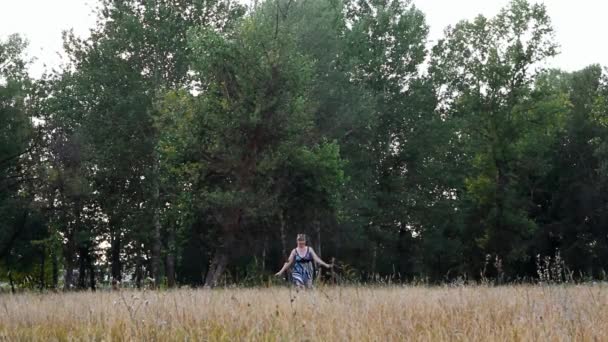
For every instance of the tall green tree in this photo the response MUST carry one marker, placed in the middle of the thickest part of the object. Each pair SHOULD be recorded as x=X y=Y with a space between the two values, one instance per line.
x=252 y=111
x=571 y=198
x=137 y=52
x=16 y=141
x=384 y=48
x=485 y=69
x=16 y=130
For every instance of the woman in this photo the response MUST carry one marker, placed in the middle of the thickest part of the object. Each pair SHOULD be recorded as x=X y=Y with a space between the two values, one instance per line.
x=302 y=257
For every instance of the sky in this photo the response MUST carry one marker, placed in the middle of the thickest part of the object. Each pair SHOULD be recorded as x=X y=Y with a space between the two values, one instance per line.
x=580 y=26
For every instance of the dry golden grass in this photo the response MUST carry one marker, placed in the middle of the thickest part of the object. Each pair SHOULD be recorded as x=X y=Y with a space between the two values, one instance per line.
x=470 y=313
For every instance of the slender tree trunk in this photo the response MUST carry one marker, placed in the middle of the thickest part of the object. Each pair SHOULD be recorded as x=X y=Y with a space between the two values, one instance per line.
x=116 y=264
x=502 y=183
x=333 y=272
x=170 y=267
x=439 y=267
x=157 y=244
x=264 y=247
x=317 y=224
x=82 y=267
x=204 y=257
x=70 y=250
x=69 y=265
x=42 y=266
x=156 y=248
x=11 y=282
x=92 y=272
x=55 y=266
x=374 y=258
x=138 y=270
x=318 y=232
x=283 y=237
x=402 y=249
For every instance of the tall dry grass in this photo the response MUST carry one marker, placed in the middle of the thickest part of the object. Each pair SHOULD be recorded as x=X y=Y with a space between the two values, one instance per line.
x=468 y=313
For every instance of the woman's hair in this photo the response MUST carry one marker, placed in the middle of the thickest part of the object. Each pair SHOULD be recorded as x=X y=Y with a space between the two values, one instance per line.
x=301 y=237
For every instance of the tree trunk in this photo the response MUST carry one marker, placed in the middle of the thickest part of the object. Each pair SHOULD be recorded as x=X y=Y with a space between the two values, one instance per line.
x=70 y=250
x=499 y=246
x=138 y=270
x=115 y=256
x=318 y=247
x=156 y=248
x=404 y=245
x=264 y=247
x=11 y=282
x=318 y=232
x=55 y=271
x=170 y=267
x=333 y=272
x=216 y=268
x=283 y=237
x=439 y=267
x=374 y=257
x=82 y=267
x=91 y=272
x=69 y=265
x=42 y=266
x=222 y=254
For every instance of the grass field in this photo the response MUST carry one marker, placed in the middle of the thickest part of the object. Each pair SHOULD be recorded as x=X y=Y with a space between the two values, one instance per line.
x=467 y=313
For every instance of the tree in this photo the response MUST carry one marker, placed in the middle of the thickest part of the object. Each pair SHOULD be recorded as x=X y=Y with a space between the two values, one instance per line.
x=484 y=68
x=571 y=198
x=253 y=111
x=383 y=50
x=16 y=141
x=137 y=52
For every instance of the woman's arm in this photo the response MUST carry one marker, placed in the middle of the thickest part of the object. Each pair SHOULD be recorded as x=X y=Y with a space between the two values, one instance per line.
x=318 y=260
x=287 y=264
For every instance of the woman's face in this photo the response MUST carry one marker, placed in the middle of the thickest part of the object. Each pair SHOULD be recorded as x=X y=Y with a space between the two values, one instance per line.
x=301 y=243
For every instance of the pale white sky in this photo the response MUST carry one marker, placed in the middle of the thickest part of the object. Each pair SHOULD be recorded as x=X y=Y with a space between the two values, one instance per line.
x=580 y=25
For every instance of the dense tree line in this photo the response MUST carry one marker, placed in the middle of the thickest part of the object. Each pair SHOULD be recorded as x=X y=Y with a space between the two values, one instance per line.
x=187 y=142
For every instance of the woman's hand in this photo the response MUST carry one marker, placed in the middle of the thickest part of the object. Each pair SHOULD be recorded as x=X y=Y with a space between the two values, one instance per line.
x=278 y=274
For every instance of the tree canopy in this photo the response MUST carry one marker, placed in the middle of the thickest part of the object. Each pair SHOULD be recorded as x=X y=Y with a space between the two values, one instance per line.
x=188 y=142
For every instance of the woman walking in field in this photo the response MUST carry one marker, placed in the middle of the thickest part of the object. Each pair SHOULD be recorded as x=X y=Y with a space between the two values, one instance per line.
x=302 y=258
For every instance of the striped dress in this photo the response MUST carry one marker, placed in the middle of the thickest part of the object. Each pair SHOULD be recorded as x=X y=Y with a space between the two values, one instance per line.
x=302 y=269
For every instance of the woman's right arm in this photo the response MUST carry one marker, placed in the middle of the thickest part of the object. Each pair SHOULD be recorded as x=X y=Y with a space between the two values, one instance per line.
x=287 y=264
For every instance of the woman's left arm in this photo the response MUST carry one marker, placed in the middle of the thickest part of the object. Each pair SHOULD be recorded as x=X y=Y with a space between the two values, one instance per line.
x=318 y=260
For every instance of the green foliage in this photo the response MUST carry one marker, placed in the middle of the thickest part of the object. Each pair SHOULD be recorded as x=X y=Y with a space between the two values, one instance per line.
x=188 y=141
x=20 y=222
x=508 y=124
x=16 y=127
